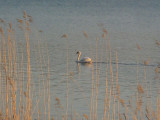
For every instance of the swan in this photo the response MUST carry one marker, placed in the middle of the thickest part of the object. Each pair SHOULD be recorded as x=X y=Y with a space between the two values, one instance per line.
x=83 y=60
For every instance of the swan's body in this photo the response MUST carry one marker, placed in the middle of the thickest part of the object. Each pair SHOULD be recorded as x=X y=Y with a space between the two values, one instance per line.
x=83 y=60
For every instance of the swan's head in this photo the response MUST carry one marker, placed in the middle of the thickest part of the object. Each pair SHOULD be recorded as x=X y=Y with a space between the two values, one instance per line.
x=78 y=52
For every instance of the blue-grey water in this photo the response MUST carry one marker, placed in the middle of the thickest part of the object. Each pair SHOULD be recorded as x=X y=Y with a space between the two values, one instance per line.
x=128 y=22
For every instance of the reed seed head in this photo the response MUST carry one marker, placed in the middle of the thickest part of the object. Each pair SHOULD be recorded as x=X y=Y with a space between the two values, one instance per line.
x=157 y=42
x=138 y=46
x=20 y=21
x=140 y=89
x=1 y=20
x=24 y=14
x=86 y=117
x=157 y=70
x=146 y=62
x=64 y=36
x=58 y=101
x=1 y=30
x=85 y=34
x=122 y=102
x=105 y=31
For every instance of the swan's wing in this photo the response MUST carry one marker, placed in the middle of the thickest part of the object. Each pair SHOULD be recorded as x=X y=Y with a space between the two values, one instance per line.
x=86 y=59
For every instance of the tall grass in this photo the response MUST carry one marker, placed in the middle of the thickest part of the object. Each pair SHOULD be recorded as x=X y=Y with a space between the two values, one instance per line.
x=19 y=101
x=15 y=74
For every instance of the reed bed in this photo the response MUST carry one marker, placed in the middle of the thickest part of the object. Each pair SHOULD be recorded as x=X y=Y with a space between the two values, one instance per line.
x=18 y=99
x=16 y=84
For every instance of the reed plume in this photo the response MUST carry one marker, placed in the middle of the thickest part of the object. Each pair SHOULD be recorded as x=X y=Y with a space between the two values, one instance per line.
x=85 y=34
x=138 y=46
x=64 y=36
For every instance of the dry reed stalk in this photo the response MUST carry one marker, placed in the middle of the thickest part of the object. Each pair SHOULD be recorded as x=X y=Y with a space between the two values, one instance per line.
x=133 y=113
x=72 y=94
x=10 y=25
x=148 y=93
x=104 y=36
x=137 y=76
x=67 y=61
x=106 y=90
x=105 y=31
x=139 y=104
x=98 y=69
x=48 y=85
x=33 y=104
x=117 y=84
x=111 y=76
x=67 y=78
x=146 y=88
x=4 y=94
x=45 y=93
x=13 y=33
x=126 y=114
x=12 y=70
x=41 y=59
x=21 y=84
x=148 y=116
x=92 y=96
x=158 y=108
x=74 y=115
x=120 y=117
x=28 y=101
x=114 y=99
x=114 y=91
x=41 y=80
x=47 y=64
x=0 y=79
x=6 y=76
x=97 y=74
x=96 y=81
x=14 y=75
x=111 y=79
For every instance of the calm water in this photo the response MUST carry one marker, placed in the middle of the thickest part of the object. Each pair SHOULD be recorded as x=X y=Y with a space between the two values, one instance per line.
x=128 y=22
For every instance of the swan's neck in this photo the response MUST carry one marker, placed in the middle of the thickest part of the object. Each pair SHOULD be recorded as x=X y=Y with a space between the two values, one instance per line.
x=78 y=57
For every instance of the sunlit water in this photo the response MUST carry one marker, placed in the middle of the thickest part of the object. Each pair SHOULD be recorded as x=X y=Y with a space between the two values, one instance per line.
x=127 y=22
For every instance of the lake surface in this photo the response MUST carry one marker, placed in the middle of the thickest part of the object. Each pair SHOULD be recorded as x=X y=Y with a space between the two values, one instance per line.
x=128 y=23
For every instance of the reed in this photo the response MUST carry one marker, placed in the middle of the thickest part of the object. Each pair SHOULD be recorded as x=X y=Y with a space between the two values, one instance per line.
x=106 y=90
x=18 y=99
x=13 y=74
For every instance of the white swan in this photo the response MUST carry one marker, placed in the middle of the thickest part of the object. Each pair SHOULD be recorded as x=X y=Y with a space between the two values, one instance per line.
x=83 y=60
